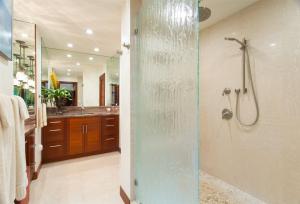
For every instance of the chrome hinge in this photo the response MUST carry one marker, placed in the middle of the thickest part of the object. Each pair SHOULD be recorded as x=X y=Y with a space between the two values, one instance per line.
x=136 y=31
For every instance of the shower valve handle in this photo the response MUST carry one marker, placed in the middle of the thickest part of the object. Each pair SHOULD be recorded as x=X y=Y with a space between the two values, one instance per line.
x=226 y=91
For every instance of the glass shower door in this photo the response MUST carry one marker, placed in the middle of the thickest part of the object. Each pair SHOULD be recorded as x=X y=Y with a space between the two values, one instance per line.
x=165 y=103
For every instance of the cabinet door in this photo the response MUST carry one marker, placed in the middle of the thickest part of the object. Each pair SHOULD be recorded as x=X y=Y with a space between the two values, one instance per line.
x=76 y=136
x=92 y=135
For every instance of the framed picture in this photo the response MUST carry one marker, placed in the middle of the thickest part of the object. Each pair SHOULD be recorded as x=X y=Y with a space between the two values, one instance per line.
x=6 y=29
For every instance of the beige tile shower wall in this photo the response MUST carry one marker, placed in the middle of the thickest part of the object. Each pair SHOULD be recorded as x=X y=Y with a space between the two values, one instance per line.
x=264 y=160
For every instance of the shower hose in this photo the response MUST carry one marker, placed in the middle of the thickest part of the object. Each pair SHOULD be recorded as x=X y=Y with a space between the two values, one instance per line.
x=254 y=96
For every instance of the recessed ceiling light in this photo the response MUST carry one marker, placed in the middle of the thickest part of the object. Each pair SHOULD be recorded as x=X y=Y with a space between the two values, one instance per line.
x=78 y=64
x=96 y=49
x=69 y=55
x=70 y=45
x=89 y=31
x=91 y=58
x=24 y=35
x=272 y=44
x=68 y=74
x=69 y=70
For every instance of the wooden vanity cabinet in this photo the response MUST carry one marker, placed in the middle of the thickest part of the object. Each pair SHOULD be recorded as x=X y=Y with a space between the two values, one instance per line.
x=84 y=135
x=54 y=140
x=66 y=138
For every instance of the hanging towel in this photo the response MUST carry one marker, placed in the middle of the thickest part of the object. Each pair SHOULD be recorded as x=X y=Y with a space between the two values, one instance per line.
x=7 y=151
x=24 y=114
x=20 y=114
x=44 y=108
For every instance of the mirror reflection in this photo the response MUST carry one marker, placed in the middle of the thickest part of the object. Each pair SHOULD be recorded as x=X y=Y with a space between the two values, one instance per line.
x=24 y=62
x=91 y=80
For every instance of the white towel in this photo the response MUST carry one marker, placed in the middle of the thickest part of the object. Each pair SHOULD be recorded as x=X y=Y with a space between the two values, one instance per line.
x=21 y=114
x=7 y=151
x=44 y=112
x=24 y=114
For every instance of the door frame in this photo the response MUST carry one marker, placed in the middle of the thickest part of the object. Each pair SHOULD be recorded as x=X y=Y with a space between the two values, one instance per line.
x=102 y=100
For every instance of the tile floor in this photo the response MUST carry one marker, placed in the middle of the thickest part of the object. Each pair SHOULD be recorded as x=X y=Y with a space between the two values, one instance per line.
x=89 y=180
x=216 y=191
x=95 y=179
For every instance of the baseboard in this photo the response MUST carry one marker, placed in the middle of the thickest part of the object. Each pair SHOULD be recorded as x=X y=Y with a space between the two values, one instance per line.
x=37 y=172
x=124 y=197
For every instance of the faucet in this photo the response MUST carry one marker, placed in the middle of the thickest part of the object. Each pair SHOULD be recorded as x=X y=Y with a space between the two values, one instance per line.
x=82 y=109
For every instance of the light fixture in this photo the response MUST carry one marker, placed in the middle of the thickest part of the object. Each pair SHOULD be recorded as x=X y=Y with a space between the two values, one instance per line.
x=272 y=44
x=26 y=86
x=89 y=31
x=91 y=58
x=78 y=63
x=24 y=35
x=69 y=70
x=16 y=82
x=31 y=83
x=68 y=74
x=70 y=45
x=96 y=49
x=22 y=77
x=25 y=80
x=69 y=55
x=19 y=76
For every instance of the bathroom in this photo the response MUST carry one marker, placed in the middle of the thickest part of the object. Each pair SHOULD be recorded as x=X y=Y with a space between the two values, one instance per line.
x=208 y=112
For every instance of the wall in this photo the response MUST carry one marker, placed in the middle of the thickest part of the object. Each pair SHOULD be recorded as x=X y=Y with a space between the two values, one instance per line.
x=38 y=130
x=263 y=160
x=6 y=75
x=91 y=86
x=125 y=118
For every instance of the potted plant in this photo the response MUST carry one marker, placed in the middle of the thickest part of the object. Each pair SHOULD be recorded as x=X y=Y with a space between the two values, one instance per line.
x=58 y=97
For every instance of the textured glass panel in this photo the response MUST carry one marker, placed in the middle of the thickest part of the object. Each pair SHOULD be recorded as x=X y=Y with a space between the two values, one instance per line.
x=166 y=103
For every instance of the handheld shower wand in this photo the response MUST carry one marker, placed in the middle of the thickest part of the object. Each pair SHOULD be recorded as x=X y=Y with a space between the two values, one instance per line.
x=246 y=57
x=244 y=49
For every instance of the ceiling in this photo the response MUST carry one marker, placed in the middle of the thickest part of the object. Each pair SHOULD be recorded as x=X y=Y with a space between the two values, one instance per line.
x=62 y=61
x=65 y=21
x=222 y=9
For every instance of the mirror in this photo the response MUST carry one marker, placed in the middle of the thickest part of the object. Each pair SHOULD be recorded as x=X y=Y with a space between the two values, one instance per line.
x=24 y=56
x=92 y=80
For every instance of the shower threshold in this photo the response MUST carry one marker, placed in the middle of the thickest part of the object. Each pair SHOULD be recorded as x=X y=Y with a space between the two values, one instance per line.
x=216 y=191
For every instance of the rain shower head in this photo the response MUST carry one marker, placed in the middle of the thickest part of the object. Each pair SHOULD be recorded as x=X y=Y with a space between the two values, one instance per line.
x=204 y=13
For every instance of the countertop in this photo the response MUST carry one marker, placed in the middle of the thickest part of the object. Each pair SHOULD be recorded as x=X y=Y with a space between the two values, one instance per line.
x=79 y=115
x=29 y=128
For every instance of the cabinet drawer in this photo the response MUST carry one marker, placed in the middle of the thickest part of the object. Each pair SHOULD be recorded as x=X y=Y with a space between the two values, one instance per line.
x=110 y=144
x=54 y=135
x=110 y=120
x=55 y=124
x=109 y=130
x=54 y=151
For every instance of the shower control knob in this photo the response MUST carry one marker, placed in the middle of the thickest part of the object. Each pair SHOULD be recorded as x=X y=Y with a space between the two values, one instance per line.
x=226 y=91
x=227 y=114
